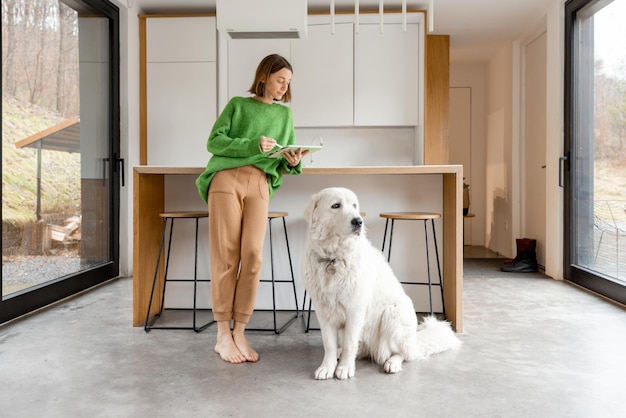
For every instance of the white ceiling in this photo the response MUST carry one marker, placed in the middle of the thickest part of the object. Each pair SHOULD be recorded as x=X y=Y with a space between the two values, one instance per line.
x=477 y=28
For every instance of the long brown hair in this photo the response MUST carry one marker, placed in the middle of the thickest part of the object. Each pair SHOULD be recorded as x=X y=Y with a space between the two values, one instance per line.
x=270 y=65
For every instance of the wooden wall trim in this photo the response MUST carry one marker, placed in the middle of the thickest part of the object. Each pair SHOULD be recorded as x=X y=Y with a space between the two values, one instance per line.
x=436 y=100
x=143 y=94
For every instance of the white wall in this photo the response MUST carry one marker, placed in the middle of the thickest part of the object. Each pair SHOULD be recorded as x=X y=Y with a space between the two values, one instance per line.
x=473 y=76
x=503 y=136
x=498 y=158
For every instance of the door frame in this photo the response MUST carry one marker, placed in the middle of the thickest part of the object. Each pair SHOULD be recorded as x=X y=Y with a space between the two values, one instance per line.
x=595 y=282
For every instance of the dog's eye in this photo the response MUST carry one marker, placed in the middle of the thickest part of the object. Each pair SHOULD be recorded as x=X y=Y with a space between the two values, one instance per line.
x=354 y=205
x=336 y=205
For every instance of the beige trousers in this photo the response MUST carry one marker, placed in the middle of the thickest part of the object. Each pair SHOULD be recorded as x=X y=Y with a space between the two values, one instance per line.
x=238 y=207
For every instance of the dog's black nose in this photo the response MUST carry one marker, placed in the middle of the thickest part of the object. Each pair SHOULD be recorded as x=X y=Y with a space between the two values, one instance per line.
x=357 y=222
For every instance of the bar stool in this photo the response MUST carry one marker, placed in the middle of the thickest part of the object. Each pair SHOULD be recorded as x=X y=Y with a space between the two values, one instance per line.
x=277 y=330
x=171 y=216
x=417 y=216
x=307 y=321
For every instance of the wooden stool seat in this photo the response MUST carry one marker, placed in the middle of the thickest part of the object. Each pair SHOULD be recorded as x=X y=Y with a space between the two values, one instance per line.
x=416 y=216
x=425 y=217
x=171 y=216
x=183 y=215
x=274 y=215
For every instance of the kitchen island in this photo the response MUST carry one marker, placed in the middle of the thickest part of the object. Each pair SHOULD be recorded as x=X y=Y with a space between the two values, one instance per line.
x=418 y=188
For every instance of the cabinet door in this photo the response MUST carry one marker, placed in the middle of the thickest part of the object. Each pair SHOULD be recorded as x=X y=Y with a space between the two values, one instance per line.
x=386 y=75
x=322 y=86
x=181 y=39
x=244 y=55
x=182 y=107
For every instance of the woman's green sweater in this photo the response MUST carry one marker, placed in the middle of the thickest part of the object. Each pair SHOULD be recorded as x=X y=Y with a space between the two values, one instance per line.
x=235 y=141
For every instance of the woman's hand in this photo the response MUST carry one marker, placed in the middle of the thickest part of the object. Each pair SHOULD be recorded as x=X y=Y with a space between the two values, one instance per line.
x=267 y=144
x=293 y=157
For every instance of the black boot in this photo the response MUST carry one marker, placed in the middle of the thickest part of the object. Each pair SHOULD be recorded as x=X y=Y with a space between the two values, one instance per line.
x=526 y=259
x=522 y=244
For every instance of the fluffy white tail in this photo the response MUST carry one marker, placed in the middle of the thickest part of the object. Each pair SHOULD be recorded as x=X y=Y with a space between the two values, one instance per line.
x=434 y=336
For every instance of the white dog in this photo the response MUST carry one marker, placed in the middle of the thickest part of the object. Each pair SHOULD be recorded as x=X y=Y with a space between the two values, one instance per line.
x=359 y=302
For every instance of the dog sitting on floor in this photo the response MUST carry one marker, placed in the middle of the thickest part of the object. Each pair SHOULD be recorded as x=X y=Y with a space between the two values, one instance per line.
x=361 y=306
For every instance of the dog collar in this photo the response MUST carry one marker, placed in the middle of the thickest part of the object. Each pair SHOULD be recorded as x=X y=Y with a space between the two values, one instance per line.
x=329 y=262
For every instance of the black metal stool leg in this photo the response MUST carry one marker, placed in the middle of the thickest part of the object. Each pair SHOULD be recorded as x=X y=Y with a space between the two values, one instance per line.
x=430 y=284
x=425 y=217
x=443 y=307
x=147 y=324
x=195 y=286
x=293 y=280
x=273 y=280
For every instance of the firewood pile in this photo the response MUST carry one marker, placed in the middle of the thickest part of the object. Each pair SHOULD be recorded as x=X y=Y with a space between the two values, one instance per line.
x=68 y=233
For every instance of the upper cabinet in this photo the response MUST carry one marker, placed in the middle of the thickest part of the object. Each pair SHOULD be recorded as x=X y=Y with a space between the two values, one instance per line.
x=181 y=89
x=344 y=74
x=386 y=80
x=323 y=79
x=181 y=39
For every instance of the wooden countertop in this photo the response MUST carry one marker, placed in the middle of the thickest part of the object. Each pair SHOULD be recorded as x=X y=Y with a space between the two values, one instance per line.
x=417 y=169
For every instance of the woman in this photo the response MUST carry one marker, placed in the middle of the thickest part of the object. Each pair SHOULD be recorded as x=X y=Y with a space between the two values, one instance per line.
x=238 y=183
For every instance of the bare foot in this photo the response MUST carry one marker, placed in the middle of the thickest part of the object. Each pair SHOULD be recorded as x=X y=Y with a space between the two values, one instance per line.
x=244 y=347
x=228 y=351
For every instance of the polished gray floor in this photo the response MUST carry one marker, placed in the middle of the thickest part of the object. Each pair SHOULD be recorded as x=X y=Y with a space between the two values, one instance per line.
x=533 y=347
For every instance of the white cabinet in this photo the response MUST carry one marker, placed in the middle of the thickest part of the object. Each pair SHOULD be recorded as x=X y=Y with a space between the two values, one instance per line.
x=322 y=86
x=386 y=75
x=181 y=84
x=344 y=78
x=181 y=39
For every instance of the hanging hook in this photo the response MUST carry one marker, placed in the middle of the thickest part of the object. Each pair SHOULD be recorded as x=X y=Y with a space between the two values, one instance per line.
x=403 y=15
x=381 y=14
x=332 y=17
x=356 y=16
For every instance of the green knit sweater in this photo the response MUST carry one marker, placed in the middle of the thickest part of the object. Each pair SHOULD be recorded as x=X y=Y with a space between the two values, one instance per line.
x=235 y=141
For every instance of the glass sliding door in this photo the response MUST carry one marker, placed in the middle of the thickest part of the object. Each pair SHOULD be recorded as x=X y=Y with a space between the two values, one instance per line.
x=60 y=150
x=595 y=144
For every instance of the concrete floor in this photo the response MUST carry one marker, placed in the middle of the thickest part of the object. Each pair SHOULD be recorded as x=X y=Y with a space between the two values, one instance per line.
x=533 y=347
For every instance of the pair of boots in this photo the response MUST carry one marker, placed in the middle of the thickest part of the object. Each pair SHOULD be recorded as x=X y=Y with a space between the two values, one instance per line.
x=526 y=259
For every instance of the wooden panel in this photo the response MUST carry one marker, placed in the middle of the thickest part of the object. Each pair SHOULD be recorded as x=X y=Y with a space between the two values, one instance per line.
x=148 y=202
x=437 y=99
x=143 y=107
x=453 y=248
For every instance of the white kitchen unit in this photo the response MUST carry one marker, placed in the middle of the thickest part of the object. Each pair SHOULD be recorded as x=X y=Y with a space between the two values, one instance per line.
x=382 y=74
x=387 y=75
x=181 y=88
x=348 y=79
x=323 y=81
